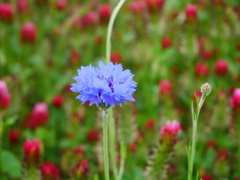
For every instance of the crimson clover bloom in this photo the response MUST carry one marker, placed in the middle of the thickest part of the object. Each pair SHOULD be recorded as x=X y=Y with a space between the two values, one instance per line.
x=104 y=86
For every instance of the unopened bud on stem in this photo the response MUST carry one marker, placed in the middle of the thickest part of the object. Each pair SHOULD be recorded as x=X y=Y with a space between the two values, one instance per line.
x=206 y=89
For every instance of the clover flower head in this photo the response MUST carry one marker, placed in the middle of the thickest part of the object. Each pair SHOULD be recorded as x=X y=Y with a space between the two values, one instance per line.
x=104 y=86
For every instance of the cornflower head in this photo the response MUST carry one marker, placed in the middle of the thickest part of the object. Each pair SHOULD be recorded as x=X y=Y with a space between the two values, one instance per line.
x=104 y=86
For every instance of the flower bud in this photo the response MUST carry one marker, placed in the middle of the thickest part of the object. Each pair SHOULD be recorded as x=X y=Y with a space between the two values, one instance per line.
x=206 y=89
x=116 y=58
x=170 y=130
x=42 y=2
x=22 y=5
x=165 y=87
x=57 y=101
x=221 y=67
x=93 y=135
x=191 y=13
x=4 y=96
x=28 y=33
x=61 y=4
x=150 y=124
x=104 y=12
x=74 y=57
x=14 y=136
x=32 y=150
x=49 y=171
x=6 y=13
x=154 y=5
x=166 y=42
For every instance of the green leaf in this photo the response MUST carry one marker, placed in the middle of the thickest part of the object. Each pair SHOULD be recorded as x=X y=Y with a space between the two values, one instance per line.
x=11 y=165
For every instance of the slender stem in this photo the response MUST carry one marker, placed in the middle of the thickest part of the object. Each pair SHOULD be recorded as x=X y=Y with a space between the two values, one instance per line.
x=105 y=143
x=1 y=138
x=194 y=136
x=112 y=122
x=112 y=147
x=110 y=27
x=123 y=156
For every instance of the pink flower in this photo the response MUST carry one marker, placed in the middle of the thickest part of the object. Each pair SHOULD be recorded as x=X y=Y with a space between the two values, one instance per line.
x=4 y=95
x=80 y=150
x=154 y=5
x=49 y=171
x=201 y=70
x=211 y=144
x=14 y=135
x=170 y=130
x=207 y=176
x=6 y=13
x=57 y=101
x=104 y=12
x=89 y=20
x=61 y=4
x=221 y=67
x=81 y=169
x=28 y=33
x=165 y=87
x=133 y=147
x=207 y=54
x=235 y=100
x=191 y=13
x=150 y=124
x=137 y=7
x=217 y=2
x=223 y=154
x=166 y=42
x=39 y=115
x=32 y=151
x=22 y=5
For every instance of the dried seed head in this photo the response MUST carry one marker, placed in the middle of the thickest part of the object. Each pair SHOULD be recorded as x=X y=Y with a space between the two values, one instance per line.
x=206 y=89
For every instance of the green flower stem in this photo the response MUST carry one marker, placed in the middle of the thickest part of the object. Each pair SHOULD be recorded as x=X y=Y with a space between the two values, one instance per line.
x=112 y=147
x=112 y=122
x=123 y=150
x=105 y=143
x=192 y=151
x=110 y=27
x=1 y=134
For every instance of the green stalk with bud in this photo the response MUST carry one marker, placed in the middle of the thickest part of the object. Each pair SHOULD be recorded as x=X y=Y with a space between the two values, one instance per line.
x=205 y=90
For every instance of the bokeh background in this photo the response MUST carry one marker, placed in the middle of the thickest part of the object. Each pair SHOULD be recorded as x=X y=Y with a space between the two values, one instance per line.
x=172 y=47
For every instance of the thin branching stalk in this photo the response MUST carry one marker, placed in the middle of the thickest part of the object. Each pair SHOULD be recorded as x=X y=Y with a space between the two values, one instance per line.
x=105 y=143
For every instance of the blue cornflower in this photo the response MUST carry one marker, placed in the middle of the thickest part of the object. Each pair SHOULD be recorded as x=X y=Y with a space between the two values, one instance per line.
x=104 y=86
